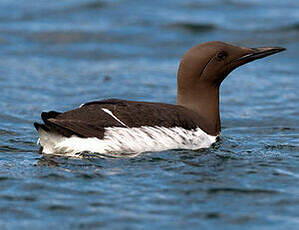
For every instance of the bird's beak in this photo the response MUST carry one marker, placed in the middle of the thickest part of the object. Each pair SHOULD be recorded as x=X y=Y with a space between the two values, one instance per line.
x=252 y=54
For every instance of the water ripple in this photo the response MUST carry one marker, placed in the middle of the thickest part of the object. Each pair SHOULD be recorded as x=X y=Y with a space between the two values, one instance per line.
x=242 y=190
x=195 y=27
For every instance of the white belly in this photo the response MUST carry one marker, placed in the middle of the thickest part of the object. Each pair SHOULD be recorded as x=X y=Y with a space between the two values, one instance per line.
x=122 y=141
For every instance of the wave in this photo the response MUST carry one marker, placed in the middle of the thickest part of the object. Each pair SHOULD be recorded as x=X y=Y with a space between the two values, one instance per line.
x=195 y=27
x=90 y=5
x=242 y=190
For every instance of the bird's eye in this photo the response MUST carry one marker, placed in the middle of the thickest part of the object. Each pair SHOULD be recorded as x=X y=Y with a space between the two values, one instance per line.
x=221 y=55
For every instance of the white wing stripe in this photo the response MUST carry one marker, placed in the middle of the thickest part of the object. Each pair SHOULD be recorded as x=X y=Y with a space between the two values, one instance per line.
x=112 y=115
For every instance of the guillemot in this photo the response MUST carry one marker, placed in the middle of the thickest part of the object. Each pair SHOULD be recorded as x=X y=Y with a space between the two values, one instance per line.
x=118 y=127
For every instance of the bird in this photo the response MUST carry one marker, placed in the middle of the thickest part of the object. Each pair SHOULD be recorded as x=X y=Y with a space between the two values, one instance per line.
x=118 y=127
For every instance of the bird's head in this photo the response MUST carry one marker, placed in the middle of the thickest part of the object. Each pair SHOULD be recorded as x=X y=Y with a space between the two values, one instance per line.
x=209 y=63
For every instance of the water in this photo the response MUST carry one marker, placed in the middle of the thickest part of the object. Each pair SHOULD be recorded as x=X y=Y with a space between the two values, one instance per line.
x=55 y=55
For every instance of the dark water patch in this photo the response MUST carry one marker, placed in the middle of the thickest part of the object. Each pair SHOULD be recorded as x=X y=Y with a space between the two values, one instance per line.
x=21 y=141
x=161 y=212
x=10 y=149
x=281 y=147
x=107 y=78
x=227 y=155
x=207 y=215
x=101 y=204
x=90 y=193
x=54 y=176
x=251 y=171
x=219 y=4
x=193 y=164
x=156 y=159
x=265 y=164
x=58 y=207
x=5 y=178
x=92 y=156
x=18 y=198
x=285 y=129
x=90 y=176
x=70 y=162
x=194 y=27
x=90 y=5
x=34 y=186
x=242 y=219
x=91 y=225
x=241 y=191
x=287 y=201
x=15 y=148
x=213 y=215
x=47 y=161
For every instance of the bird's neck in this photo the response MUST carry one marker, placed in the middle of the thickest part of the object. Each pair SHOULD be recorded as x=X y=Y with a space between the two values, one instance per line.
x=205 y=102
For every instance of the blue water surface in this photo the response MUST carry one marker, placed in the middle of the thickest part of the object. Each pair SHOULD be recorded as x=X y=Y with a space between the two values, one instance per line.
x=56 y=55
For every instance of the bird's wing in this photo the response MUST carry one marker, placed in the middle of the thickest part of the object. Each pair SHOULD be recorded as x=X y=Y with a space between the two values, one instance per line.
x=91 y=119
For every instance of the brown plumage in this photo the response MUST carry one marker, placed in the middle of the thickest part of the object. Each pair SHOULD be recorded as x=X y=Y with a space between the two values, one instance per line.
x=90 y=120
x=200 y=74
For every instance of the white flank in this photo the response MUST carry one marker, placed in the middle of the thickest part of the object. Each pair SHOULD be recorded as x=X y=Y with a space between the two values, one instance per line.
x=122 y=141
